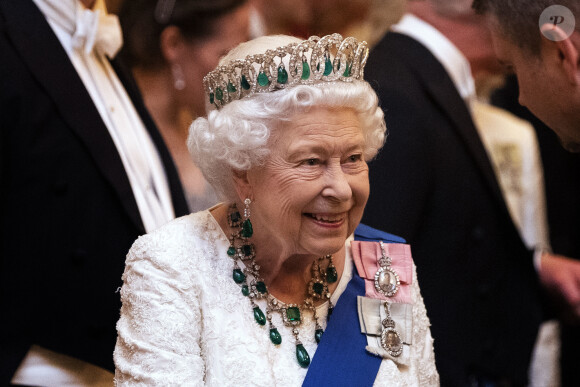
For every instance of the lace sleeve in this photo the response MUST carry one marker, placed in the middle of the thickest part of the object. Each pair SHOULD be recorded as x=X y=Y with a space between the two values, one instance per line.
x=422 y=350
x=158 y=339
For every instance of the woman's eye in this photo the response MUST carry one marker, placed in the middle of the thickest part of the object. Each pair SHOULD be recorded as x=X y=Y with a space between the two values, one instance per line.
x=354 y=158
x=311 y=162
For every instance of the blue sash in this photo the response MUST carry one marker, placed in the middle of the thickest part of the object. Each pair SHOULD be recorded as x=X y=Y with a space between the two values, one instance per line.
x=341 y=358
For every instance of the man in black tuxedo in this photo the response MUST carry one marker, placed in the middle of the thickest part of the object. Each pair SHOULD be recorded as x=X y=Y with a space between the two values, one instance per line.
x=72 y=197
x=540 y=41
x=434 y=185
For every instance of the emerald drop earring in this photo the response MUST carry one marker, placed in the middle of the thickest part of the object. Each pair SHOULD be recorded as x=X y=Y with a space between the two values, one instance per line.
x=247 y=230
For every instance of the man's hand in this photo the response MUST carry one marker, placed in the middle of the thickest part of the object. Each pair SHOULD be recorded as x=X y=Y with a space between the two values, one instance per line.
x=561 y=277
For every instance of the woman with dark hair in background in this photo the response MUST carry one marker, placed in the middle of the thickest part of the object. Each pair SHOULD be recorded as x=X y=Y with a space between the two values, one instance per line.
x=170 y=45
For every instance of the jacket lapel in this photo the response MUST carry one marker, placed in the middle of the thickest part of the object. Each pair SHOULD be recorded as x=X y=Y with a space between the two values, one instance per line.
x=47 y=60
x=178 y=199
x=440 y=86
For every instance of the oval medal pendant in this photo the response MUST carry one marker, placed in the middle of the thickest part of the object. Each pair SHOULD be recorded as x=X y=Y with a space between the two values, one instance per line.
x=391 y=342
x=387 y=281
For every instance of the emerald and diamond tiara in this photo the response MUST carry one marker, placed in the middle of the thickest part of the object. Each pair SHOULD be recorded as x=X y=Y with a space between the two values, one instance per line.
x=313 y=61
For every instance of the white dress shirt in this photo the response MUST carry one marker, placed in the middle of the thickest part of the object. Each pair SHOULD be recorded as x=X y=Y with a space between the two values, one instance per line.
x=138 y=153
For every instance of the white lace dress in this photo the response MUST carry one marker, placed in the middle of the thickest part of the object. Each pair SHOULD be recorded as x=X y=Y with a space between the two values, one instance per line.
x=185 y=322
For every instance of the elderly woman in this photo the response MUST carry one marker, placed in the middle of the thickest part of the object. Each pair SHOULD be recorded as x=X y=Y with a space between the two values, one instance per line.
x=241 y=294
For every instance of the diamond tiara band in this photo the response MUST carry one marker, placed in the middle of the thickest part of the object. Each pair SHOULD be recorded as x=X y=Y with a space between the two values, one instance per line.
x=313 y=61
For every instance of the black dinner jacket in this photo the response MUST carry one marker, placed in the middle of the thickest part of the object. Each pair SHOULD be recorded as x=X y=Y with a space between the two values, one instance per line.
x=434 y=185
x=67 y=212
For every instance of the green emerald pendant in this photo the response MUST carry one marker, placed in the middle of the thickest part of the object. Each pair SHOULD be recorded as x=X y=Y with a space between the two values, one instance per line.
x=238 y=276
x=302 y=356
x=211 y=98
x=331 y=275
x=245 y=290
x=259 y=316
x=247 y=230
x=275 y=337
x=231 y=88
x=318 y=335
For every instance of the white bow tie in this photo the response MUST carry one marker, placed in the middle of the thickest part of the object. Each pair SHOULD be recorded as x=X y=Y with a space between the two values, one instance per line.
x=89 y=29
x=95 y=30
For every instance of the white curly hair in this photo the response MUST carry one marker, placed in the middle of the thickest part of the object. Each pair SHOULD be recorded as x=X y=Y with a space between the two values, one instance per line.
x=236 y=137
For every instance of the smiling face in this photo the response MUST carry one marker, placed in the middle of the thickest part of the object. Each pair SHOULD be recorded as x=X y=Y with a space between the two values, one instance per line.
x=310 y=193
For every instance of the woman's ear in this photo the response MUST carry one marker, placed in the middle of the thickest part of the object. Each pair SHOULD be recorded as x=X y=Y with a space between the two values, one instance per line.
x=171 y=43
x=242 y=184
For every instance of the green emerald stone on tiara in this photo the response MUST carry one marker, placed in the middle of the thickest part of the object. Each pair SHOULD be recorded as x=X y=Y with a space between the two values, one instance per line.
x=244 y=83
x=327 y=66
x=305 y=71
x=277 y=68
x=282 y=75
x=263 y=79
x=347 y=70
x=231 y=251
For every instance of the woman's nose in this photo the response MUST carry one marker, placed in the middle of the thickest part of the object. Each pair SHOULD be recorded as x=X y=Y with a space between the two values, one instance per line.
x=337 y=184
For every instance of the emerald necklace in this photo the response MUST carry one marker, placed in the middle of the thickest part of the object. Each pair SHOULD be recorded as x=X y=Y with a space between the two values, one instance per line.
x=253 y=286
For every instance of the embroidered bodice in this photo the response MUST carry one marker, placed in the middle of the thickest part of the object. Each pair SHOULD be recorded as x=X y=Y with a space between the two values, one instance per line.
x=185 y=322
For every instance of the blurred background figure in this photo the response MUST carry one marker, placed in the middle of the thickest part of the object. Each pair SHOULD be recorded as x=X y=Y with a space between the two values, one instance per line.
x=170 y=46
x=364 y=19
x=562 y=182
x=270 y=17
x=83 y=172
